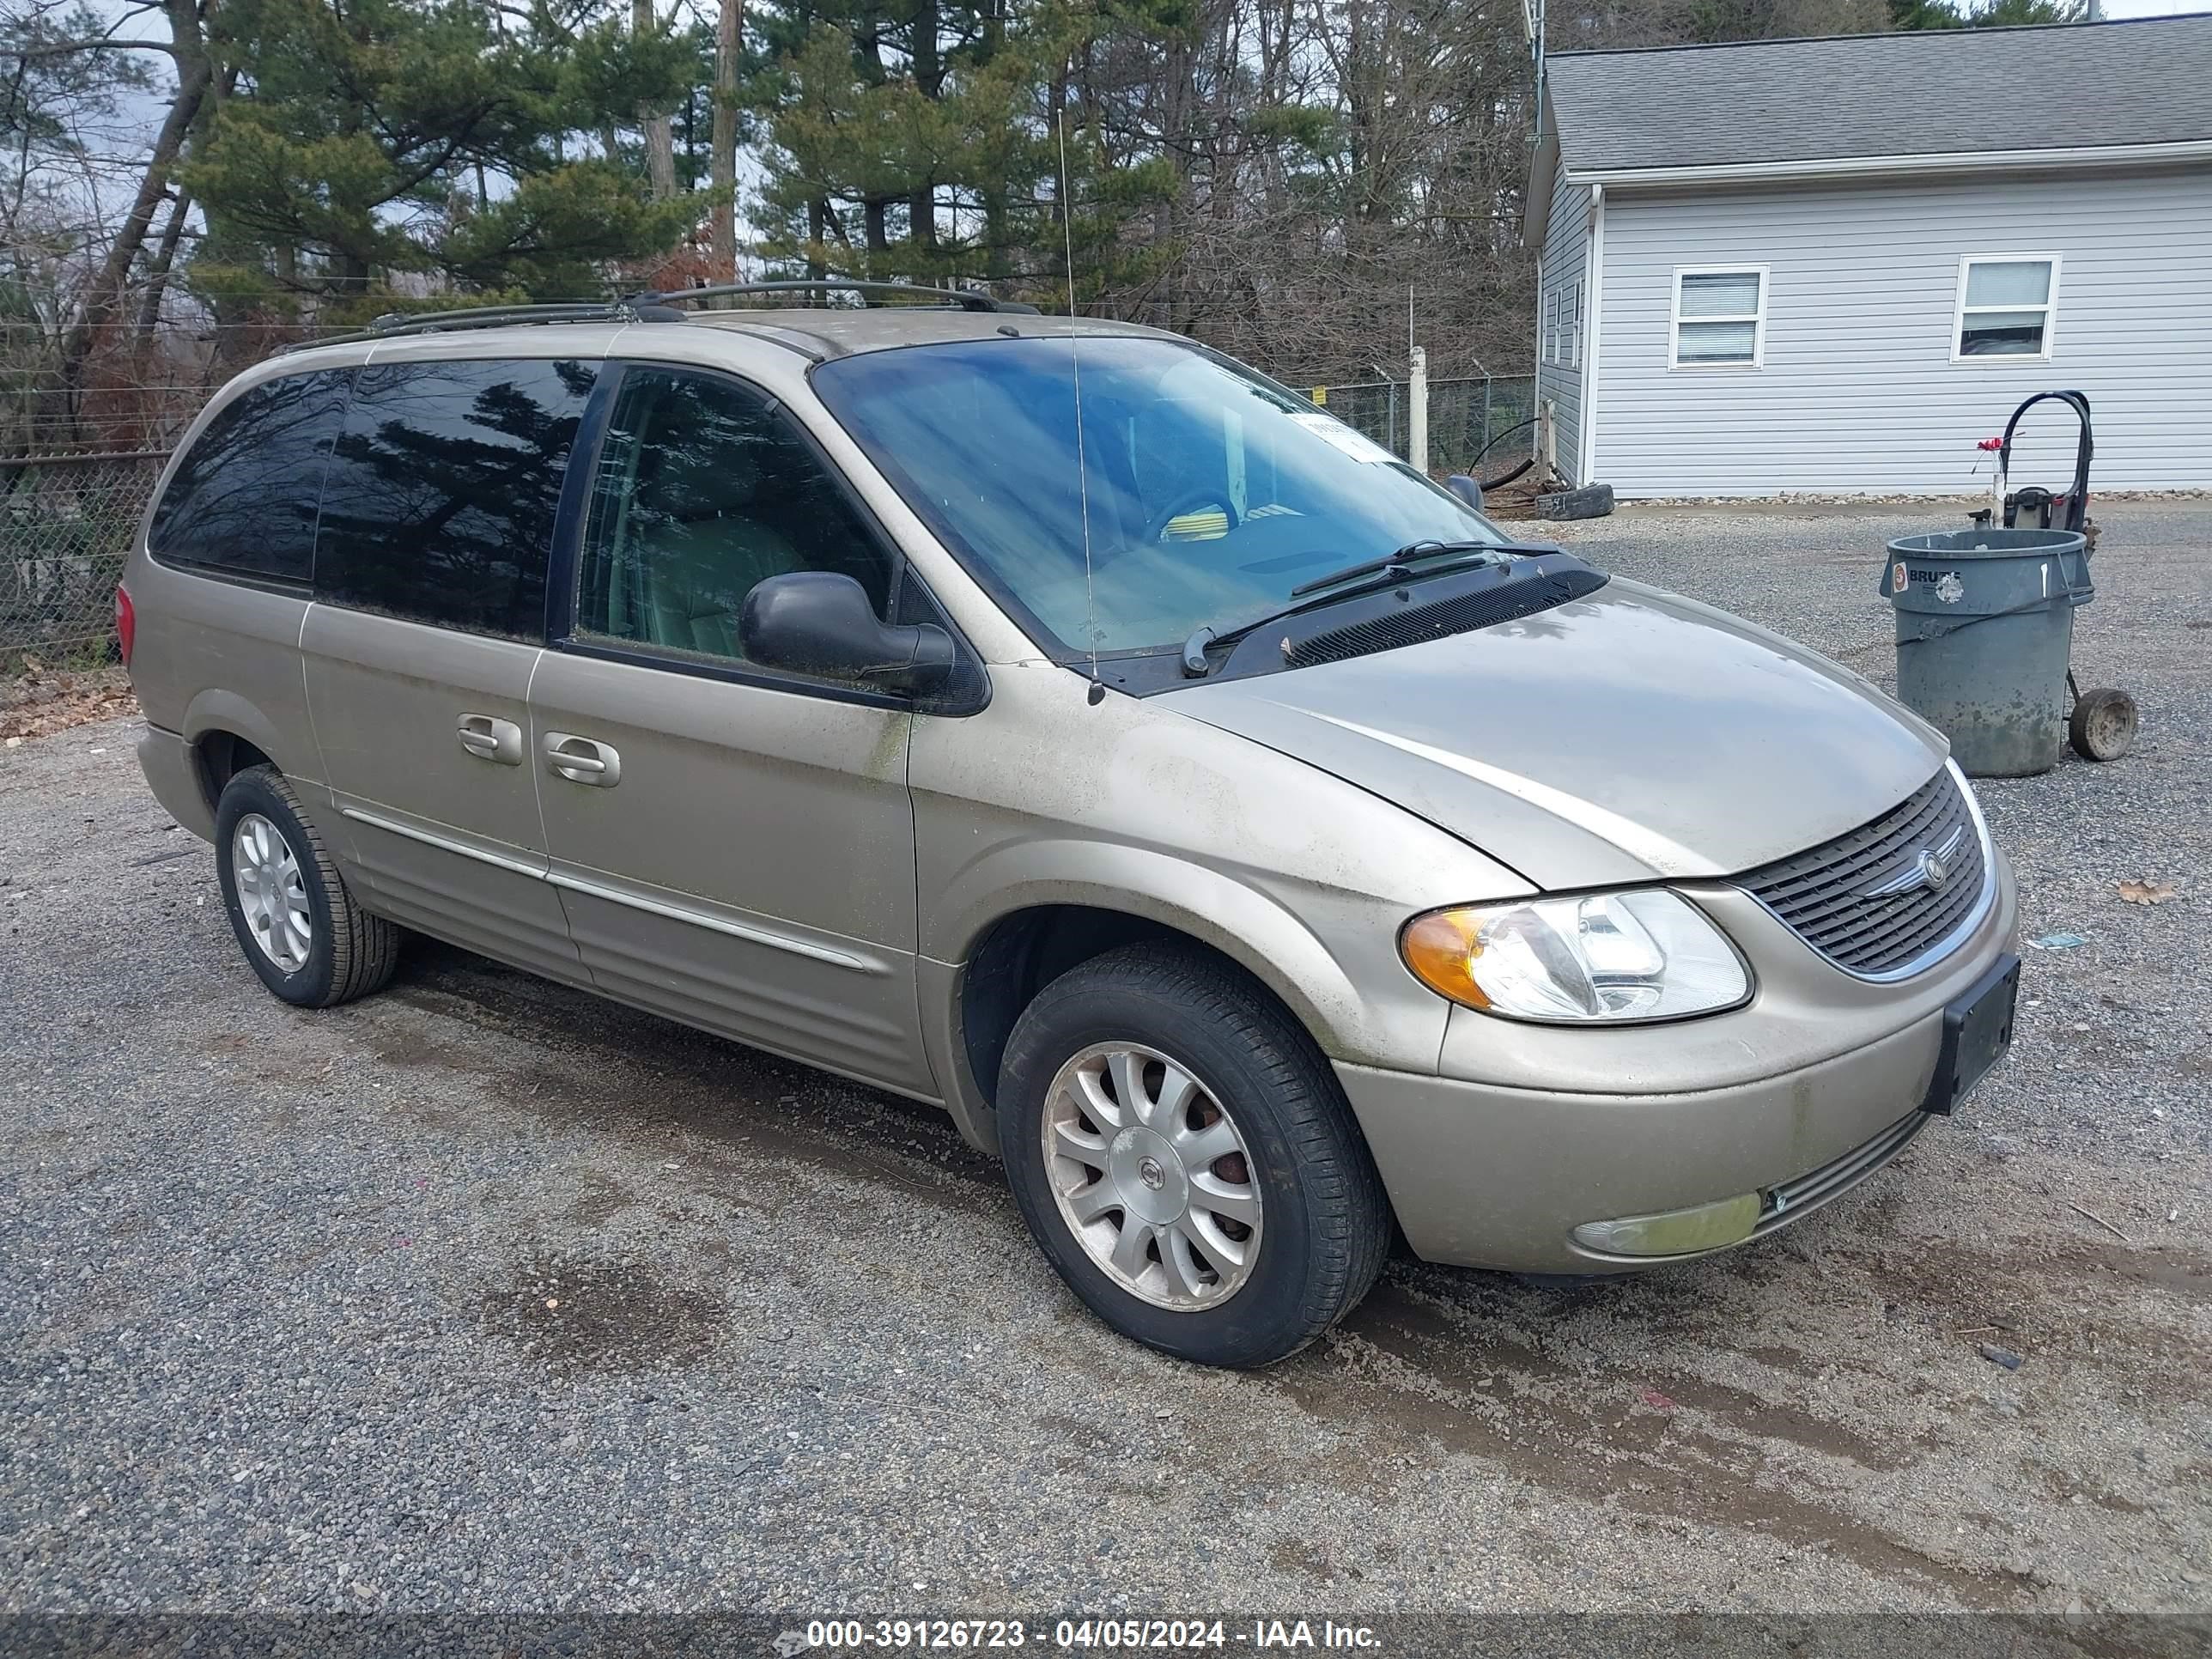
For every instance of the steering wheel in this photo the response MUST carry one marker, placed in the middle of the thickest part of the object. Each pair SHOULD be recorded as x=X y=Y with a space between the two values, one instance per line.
x=1155 y=527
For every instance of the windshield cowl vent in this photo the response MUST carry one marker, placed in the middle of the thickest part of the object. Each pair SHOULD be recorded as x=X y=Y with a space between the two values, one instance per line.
x=1461 y=614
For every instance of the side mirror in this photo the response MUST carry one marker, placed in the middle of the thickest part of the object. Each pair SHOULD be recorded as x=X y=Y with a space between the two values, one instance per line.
x=1466 y=489
x=820 y=623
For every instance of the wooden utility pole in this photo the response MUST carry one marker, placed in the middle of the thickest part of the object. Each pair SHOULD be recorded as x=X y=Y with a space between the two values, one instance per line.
x=1416 y=411
x=722 y=164
x=660 y=131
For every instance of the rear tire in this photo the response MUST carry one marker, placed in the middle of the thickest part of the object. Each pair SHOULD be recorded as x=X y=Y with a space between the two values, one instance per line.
x=1260 y=1219
x=296 y=922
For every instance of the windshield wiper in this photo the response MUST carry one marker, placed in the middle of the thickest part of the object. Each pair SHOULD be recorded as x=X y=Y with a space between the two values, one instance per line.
x=1394 y=567
x=1404 y=559
x=1390 y=569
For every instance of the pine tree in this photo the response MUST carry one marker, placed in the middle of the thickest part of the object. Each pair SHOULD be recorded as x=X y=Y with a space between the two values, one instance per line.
x=389 y=139
x=920 y=139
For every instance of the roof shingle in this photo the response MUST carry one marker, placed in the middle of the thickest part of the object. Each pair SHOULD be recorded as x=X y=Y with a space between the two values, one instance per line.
x=1932 y=92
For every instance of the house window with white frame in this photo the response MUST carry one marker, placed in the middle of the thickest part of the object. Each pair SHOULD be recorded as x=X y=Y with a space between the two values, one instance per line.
x=1562 y=326
x=1719 y=318
x=2006 y=304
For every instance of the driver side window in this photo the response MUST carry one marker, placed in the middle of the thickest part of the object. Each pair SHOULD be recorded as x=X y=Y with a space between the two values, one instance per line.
x=701 y=491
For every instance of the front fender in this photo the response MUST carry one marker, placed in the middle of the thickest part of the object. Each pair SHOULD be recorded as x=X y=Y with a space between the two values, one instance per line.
x=1244 y=923
x=1355 y=998
x=1251 y=927
x=1136 y=809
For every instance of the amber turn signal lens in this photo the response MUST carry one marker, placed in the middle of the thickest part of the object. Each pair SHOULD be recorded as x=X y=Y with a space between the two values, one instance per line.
x=1441 y=948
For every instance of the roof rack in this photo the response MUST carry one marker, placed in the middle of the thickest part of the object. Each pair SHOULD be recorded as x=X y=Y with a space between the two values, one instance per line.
x=966 y=299
x=394 y=324
x=648 y=307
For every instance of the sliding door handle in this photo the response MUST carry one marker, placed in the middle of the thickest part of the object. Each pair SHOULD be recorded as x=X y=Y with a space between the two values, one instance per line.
x=487 y=739
x=583 y=760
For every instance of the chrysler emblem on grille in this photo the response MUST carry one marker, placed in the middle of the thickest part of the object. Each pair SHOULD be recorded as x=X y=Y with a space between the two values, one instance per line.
x=1928 y=868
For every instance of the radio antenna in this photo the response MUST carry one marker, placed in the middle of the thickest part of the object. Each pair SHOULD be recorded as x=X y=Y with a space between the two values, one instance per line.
x=1097 y=692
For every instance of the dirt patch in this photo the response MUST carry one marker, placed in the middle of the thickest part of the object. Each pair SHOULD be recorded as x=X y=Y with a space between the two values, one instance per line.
x=599 y=1201
x=2135 y=1313
x=1516 y=499
x=1672 y=1449
x=603 y=1316
x=1301 y=1558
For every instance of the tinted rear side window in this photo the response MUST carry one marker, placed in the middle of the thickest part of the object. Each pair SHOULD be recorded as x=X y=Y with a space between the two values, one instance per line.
x=441 y=494
x=244 y=497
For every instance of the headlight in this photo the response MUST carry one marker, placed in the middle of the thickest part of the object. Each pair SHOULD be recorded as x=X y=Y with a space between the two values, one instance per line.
x=1609 y=957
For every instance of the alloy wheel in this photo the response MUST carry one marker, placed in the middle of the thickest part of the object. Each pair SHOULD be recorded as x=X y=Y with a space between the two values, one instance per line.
x=1152 y=1175
x=271 y=892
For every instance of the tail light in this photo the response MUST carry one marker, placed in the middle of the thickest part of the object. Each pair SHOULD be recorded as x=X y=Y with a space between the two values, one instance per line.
x=127 y=622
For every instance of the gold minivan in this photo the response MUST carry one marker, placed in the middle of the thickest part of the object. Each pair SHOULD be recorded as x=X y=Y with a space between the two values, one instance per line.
x=1255 y=847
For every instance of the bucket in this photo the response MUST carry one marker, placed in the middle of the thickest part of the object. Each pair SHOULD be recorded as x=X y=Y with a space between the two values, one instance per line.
x=1985 y=632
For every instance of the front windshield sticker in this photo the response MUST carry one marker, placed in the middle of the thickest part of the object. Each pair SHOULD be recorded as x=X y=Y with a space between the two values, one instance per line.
x=1356 y=444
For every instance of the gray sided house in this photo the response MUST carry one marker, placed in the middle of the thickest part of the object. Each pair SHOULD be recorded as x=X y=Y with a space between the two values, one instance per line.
x=1835 y=265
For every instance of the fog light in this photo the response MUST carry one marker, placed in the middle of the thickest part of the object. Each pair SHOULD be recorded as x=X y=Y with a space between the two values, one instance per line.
x=1675 y=1232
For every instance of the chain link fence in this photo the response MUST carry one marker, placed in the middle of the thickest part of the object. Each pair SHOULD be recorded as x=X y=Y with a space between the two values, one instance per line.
x=1467 y=417
x=85 y=426
x=66 y=524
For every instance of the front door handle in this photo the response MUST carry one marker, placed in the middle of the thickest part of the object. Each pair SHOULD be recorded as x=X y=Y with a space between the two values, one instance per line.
x=583 y=760
x=495 y=740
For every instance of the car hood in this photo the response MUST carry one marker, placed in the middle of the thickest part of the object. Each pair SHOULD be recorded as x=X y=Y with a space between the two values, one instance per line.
x=1629 y=734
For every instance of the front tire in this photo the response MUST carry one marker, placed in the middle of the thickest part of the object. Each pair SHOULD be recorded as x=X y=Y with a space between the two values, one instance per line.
x=296 y=922
x=1186 y=1160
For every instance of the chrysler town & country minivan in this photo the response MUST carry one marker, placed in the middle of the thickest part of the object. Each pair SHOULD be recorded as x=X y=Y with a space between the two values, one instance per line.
x=1260 y=851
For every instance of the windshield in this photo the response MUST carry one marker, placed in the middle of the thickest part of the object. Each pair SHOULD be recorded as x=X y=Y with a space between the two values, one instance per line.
x=1209 y=494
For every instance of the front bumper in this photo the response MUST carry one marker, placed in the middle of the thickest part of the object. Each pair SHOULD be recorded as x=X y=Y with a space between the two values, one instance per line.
x=1490 y=1178
x=1497 y=1171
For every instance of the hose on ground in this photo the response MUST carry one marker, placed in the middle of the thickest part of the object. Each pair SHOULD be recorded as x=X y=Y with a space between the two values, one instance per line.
x=1489 y=484
x=1498 y=482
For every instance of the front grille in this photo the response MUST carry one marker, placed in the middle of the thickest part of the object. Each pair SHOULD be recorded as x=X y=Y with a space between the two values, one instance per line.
x=1793 y=1198
x=1823 y=896
x=1507 y=602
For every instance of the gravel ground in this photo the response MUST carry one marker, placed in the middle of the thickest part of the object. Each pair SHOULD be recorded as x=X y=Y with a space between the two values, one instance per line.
x=278 y=1321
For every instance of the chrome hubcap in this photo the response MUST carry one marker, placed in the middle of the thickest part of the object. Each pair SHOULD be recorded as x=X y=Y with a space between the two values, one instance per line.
x=1151 y=1176
x=271 y=892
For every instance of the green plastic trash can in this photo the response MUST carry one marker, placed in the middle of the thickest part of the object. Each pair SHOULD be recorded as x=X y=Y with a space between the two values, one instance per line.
x=1985 y=632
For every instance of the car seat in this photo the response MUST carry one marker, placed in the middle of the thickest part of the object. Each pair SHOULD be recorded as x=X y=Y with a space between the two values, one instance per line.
x=696 y=551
